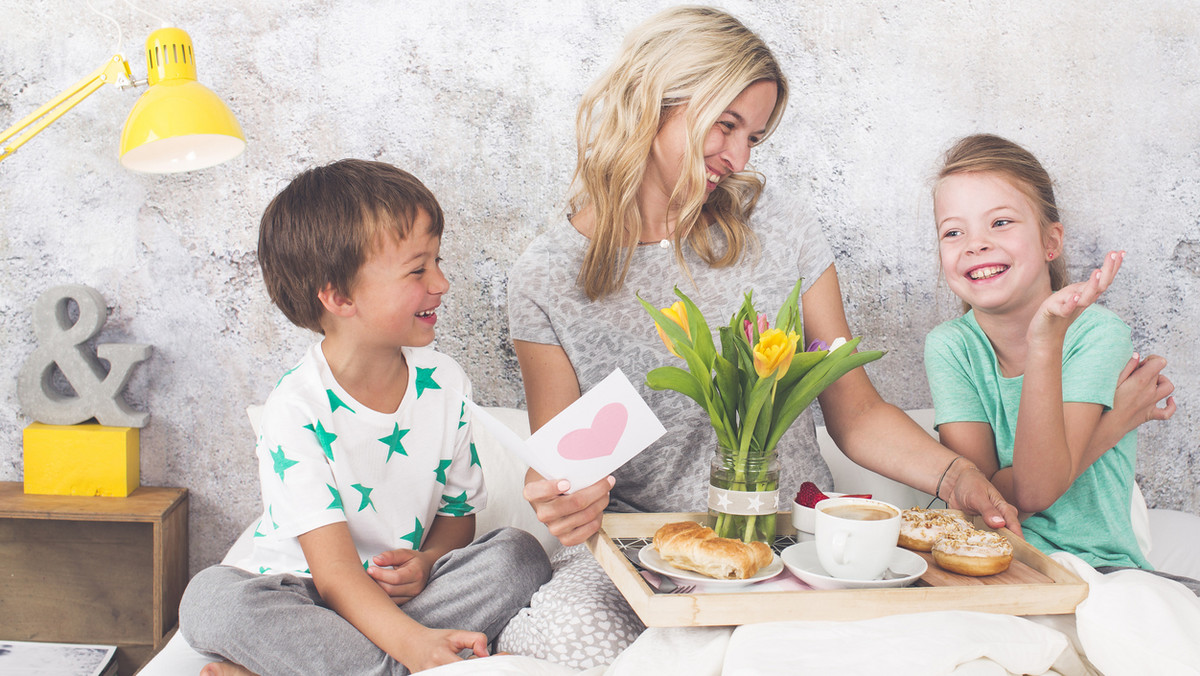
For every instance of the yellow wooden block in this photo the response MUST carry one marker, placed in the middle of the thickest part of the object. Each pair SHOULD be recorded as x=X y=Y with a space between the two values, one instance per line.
x=85 y=459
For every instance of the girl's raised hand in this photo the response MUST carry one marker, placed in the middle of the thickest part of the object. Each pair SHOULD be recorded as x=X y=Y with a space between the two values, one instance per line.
x=1063 y=306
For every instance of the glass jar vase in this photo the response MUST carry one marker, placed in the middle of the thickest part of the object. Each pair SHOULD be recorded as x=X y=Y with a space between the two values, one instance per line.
x=743 y=495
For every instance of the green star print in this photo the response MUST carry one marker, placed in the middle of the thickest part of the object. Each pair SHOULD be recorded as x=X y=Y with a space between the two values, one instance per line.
x=282 y=463
x=474 y=455
x=324 y=438
x=462 y=415
x=393 y=442
x=415 y=536
x=337 y=498
x=425 y=380
x=457 y=506
x=288 y=373
x=366 y=497
x=335 y=403
x=443 y=465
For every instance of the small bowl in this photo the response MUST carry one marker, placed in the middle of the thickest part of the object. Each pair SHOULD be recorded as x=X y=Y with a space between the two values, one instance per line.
x=803 y=517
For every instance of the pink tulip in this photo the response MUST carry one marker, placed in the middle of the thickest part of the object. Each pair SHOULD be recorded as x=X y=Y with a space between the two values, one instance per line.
x=763 y=325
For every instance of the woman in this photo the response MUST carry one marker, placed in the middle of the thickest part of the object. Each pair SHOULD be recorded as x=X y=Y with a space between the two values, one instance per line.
x=661 y=197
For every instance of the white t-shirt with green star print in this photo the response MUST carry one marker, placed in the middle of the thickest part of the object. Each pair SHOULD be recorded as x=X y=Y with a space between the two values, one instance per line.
x=323 y=458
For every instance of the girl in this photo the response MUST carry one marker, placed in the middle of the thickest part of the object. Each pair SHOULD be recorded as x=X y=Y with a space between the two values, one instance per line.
x=663 y=196
x=1022 y=381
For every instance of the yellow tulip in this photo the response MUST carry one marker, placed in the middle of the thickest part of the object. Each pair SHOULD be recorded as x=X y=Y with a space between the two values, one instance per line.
x=774 y=352
x=678 y=314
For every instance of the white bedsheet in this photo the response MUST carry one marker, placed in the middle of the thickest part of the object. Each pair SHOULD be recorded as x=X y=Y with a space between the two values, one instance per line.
x=1131 y=623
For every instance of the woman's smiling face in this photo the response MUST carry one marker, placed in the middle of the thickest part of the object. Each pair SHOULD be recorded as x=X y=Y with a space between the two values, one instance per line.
x=726 y=147
x=993 y=251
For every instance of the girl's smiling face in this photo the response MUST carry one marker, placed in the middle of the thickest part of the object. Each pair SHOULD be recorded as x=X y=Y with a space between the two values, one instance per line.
x=993 y=250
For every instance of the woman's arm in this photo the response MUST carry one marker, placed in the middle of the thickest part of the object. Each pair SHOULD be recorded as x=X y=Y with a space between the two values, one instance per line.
x=345 y=586
x=550 y=386
x=1140 y=387
x=881 y=437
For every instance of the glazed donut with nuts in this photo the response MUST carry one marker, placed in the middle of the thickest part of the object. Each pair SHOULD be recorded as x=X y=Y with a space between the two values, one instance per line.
x=920 y=528
x=973 y=552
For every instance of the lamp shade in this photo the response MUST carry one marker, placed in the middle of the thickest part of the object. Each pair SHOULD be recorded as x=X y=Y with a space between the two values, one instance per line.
x=178 y=124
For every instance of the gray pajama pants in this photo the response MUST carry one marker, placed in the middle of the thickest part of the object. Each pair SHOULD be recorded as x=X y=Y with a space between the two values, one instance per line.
x=278 y=624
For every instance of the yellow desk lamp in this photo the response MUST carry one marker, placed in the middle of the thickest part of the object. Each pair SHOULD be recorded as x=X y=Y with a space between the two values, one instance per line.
x=177 y=125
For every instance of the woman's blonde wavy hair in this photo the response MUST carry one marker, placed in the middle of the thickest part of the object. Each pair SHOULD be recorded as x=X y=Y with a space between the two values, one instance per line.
x=695 y=56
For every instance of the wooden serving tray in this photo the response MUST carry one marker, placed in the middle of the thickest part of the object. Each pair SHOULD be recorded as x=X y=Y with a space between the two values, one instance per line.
x=1033 y=585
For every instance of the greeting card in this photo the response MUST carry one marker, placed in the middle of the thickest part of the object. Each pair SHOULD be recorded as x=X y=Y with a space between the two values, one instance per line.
x=589 y=439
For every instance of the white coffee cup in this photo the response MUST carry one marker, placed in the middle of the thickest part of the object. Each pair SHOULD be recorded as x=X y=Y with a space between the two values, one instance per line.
x=856 y=537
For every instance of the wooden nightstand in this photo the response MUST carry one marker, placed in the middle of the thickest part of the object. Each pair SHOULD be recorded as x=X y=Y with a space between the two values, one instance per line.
x=92 y=569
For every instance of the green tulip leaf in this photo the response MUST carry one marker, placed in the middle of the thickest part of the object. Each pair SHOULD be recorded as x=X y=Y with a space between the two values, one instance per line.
x=814 y=383
x=788 y=318
x=698 y=327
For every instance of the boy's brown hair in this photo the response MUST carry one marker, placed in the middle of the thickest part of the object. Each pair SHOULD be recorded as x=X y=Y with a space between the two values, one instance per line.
x=319 y=229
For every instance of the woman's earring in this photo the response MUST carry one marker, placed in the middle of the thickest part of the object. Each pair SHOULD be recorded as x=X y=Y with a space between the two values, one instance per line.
x=1051 y=256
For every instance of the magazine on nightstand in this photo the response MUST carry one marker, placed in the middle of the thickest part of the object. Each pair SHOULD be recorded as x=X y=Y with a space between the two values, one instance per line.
x=30 y=658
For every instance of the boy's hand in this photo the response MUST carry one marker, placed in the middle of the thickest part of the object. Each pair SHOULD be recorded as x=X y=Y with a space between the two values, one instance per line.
x=570 y=518
x=401 y=573
x=435 y=647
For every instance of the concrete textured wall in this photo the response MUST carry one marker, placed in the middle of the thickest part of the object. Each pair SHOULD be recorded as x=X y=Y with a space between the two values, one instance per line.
x=478 y=99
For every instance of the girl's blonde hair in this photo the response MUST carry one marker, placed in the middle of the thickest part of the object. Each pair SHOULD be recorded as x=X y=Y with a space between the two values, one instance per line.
x=990 y=153
x=695 y=56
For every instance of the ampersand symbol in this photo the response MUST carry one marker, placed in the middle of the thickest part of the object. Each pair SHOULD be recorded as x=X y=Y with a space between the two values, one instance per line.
x=62 y=342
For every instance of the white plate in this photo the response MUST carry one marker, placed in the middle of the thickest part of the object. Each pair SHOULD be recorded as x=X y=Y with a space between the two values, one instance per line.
x=904 y=569
x=651 y=560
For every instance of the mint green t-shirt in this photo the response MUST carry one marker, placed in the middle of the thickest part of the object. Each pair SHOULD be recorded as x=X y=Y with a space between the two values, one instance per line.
x=1091 y=520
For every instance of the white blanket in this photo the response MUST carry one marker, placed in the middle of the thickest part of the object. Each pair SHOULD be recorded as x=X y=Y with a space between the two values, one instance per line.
x=1132 y=623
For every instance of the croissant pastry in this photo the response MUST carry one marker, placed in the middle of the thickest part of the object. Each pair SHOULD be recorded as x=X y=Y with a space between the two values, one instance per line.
x=690 y=546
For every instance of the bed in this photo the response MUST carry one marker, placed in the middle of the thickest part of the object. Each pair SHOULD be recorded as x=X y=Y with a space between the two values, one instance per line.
x=1131 y=623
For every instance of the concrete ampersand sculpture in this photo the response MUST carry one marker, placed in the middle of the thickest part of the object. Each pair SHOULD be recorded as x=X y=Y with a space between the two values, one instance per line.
x=63 y=343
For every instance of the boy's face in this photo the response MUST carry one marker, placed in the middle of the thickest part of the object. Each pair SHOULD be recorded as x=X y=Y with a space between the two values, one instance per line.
x=399 y=288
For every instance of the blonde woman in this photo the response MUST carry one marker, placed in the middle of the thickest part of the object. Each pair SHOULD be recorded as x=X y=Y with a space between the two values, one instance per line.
x=662 y=197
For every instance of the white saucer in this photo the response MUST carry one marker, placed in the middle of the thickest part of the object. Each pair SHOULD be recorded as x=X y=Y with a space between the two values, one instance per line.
x=905 y=569
x=652 y=561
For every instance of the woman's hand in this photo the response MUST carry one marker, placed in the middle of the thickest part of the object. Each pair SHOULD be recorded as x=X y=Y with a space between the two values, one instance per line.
x=571 y=518
x=1140 y=387
x=402 y=573
x=970 y=491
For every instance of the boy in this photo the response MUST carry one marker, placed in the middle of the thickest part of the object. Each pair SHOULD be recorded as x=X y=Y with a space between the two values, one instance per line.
x=368 y=476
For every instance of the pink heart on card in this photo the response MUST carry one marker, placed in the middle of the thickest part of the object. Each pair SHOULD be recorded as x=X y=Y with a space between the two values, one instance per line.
x=598 y=440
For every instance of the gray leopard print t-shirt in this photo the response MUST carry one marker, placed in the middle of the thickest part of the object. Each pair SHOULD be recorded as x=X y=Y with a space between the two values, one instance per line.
x=545 y=305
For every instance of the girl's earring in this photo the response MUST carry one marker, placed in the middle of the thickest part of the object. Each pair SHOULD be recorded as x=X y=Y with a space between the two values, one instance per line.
x=1051 y=255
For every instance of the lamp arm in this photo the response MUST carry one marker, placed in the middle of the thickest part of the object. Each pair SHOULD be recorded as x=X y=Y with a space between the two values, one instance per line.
x=114 y=71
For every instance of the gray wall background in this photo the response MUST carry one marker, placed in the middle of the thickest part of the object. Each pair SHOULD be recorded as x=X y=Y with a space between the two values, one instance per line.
x=478 y=99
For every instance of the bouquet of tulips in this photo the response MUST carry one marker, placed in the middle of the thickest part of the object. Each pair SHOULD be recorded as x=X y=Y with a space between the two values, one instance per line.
x=752 y=389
